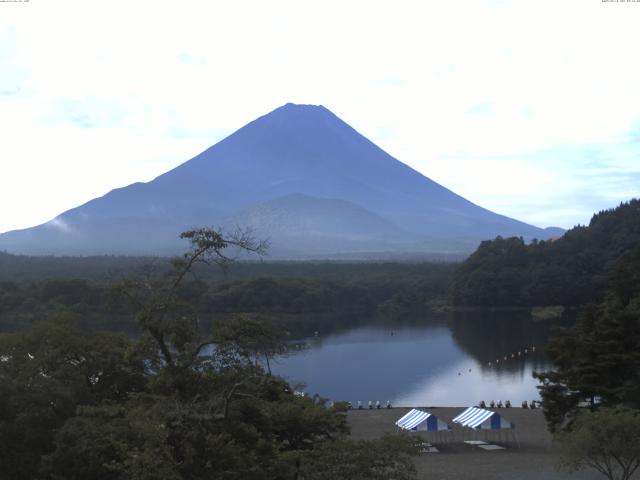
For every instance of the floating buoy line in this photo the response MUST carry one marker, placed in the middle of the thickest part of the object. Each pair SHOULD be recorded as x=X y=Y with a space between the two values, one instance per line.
x=512 y=356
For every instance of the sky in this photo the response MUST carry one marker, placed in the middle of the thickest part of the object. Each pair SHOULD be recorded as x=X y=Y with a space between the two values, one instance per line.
x=530 y=108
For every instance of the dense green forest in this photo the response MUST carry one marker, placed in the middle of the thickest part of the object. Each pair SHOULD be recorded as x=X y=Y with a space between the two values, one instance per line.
x=296 y=293
x=598 y=359
x=569 y=271
x=107 y=268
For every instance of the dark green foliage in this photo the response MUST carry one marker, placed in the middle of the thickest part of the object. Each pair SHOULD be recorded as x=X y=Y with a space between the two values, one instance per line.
x=607 y=440
x=296 y=292
x=570 y=271
x=171 y=404
x=286 y=295
x=26 y=268
x=45 y=374
x=599 y=357
x=389 y=457
x=240 y=338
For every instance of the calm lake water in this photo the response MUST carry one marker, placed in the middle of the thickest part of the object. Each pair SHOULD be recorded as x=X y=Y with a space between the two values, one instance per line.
x=440 y=360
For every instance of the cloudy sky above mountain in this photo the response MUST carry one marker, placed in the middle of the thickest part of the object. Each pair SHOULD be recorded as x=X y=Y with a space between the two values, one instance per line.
x=528 y=108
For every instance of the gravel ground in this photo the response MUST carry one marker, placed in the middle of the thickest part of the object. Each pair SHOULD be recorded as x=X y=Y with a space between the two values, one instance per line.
x=535 y=458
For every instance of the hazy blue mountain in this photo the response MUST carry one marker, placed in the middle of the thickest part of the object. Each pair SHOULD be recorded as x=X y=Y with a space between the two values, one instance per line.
x=552 y=232
x=301 y=225
x=299 y=175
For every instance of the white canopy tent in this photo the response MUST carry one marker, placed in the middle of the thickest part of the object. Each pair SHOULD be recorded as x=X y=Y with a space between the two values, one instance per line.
x=481 y=419
x=420 y=421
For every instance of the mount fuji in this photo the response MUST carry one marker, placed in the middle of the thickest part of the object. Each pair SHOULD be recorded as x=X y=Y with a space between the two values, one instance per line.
x=299 y=176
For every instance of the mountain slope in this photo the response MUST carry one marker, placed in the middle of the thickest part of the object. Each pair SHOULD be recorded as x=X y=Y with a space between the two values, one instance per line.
x=296 y=149
x=301 y=225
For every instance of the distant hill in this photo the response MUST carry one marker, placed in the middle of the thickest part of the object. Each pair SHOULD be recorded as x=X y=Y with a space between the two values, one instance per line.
x=303 y=225
x=300 y=176
x=572 y=270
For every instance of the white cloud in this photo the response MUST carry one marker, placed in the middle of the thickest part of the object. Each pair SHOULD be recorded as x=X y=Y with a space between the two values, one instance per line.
x=60 y=224
x=472 y=93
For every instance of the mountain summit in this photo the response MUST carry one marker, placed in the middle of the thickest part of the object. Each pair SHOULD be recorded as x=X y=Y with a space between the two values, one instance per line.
x=298 y=175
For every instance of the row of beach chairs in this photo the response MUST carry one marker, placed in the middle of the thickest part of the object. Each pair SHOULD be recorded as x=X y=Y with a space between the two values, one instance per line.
x=507 y=404
x=370 y=405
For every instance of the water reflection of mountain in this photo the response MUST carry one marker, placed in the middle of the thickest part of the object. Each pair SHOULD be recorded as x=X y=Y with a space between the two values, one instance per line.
x=489 y=337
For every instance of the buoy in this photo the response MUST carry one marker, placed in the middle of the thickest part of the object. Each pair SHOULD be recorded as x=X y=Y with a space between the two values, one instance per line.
x=518 y=353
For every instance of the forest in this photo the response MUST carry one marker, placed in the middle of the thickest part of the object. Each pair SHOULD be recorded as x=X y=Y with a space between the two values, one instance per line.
x=290 y=291
x=571 y=270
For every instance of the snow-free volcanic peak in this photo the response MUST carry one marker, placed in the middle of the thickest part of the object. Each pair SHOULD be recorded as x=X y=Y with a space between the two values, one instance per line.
x=292 y=175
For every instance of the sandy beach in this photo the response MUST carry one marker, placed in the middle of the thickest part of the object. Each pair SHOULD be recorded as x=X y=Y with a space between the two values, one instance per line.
x=535 y=458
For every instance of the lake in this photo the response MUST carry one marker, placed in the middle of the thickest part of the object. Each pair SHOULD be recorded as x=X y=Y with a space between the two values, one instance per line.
x=435 y=360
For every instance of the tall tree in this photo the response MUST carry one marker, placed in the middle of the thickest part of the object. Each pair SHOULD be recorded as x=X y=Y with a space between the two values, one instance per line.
x=154 y=298
x=607 y=440
x=598 y=359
